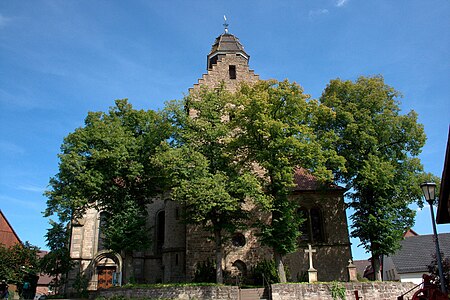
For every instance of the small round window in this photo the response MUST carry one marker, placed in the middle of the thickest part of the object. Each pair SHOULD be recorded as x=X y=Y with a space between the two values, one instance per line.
x=238 y=240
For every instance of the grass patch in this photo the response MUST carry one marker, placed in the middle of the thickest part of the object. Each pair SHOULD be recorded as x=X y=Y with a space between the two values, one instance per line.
x=58 y=296
x=165 y=285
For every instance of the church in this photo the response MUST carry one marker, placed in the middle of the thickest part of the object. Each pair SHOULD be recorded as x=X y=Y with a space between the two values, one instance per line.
x=178 y=249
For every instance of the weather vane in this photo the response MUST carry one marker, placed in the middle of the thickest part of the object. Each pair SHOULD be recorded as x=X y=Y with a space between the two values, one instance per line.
x=225 y=24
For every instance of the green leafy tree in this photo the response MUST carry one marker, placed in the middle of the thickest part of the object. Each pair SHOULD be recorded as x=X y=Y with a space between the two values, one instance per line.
x=57 y=262
x=18 y=262
x=275 y=121
x=107 y=164
x=380 y=146
x=202 y=170
x=124 y=231
x=434 y=270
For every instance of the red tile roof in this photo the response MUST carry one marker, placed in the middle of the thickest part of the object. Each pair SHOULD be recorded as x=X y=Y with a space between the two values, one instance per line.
x=44 y=279
x=305 y=181
x=8 y=236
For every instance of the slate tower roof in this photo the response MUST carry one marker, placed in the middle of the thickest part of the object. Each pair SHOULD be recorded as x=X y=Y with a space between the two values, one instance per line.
x=225 y=43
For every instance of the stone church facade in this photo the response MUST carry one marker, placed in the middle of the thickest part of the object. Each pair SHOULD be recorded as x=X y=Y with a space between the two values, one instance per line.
x=177 y=249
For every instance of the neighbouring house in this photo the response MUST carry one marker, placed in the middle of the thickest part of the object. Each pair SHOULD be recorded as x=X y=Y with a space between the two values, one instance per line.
x=8 y=237
x=443 y=212
x=179 y=249
x=410 y=233
x=44 y=282
x=410 y=262
x=363 y=266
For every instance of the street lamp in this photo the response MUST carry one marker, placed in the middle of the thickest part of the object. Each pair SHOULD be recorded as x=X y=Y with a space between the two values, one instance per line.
x=429 y=192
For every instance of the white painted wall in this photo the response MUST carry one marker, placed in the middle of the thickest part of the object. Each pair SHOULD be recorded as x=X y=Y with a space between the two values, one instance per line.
x=389 y=272
x=411 y=277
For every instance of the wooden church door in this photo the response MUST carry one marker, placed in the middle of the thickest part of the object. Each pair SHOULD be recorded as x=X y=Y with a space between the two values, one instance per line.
x=105 y=277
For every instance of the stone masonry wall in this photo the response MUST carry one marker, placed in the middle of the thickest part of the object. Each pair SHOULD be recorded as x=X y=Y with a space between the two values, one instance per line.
x=200 y=247
x=219 y=73
x=183 y=292
x=322 y=291
x=333 y=253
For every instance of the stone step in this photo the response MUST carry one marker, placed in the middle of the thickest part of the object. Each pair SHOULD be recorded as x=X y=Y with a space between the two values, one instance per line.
x=253 y=294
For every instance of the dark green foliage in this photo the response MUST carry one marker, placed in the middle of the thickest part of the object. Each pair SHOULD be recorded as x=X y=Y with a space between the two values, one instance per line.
x=57 y=296
x=125 y=230
x=337 y=291
x=80 y=285
x=302 y=276
x=265 y=272
x=201 y=165
x=18 y=262
x=276 y=121
x=57 y=262
x=205 y=272
x=107 y=164
x=433 y=269
x=380 y=146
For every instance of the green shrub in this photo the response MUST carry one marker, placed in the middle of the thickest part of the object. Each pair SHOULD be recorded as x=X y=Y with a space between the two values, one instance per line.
x=337 y=290
x=265 y=269
x=57 y=296
x=205 y=272
x=302 y=276
x=81 y=285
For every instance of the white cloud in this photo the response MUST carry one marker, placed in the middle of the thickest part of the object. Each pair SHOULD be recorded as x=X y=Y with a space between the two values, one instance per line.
x=31 y=204
x=11 y=148
x=32 y=188
x=317 y=12
x=340 y=3
x=4 y=20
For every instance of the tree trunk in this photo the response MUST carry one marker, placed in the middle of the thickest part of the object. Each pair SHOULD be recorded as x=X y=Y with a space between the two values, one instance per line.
x=376 y=267
x=279 y=265
x=218 y=242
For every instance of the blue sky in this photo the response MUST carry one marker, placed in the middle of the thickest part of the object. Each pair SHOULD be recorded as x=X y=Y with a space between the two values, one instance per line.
x=61 y=59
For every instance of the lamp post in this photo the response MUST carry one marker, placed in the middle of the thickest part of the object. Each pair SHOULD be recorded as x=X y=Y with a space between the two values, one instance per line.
x=429 y=191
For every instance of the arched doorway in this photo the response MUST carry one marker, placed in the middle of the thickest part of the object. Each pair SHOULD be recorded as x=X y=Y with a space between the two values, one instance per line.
x=108 y=269
x=241 y=268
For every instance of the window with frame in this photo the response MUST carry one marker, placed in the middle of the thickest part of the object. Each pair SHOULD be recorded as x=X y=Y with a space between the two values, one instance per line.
x=232 y=71
x=160 y=231
x=312 y=228
x=101 y=234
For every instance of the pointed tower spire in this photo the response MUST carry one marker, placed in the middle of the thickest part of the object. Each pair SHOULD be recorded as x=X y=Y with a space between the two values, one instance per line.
x=225 y=24
x=225 y=44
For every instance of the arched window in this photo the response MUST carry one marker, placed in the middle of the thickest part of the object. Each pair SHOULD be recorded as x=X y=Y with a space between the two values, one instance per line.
x=304 y=227
x=160 y=230
x=241 y=267
x=316 y=224
x=101 y=234
x=312 y=227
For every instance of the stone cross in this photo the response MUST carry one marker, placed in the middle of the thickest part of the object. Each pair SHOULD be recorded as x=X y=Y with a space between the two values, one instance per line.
x=310 y=251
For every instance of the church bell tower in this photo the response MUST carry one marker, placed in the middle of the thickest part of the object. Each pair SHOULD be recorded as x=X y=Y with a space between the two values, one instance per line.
x=226 y=62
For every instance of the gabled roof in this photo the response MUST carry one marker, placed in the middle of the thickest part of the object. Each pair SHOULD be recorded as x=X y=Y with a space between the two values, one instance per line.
x=443 y=212
x=417 y=252
x=361 y=266
x=8 y=236
x=410 y=233
x=44 y=279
